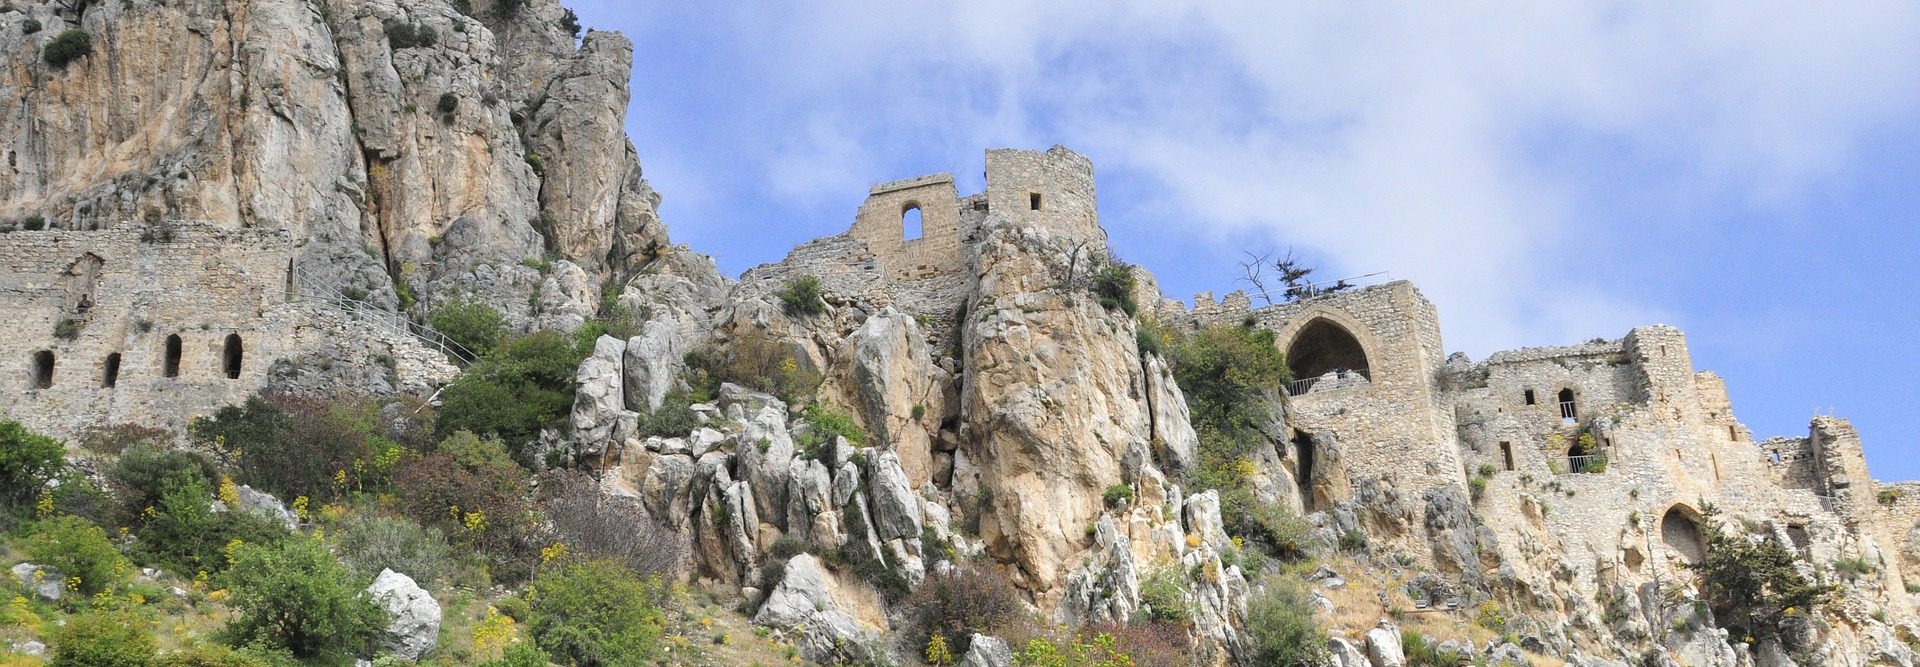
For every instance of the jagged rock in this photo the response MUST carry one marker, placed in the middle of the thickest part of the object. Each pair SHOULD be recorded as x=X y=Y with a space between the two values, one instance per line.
x=984 y=651
x=667 y=488
x=892 y=381
x=31 y=648
x=598 y=402
x=603 y=213
x=264 y=504
x=413 y=617
x=809 y=496
x=1202 y=513
x=1577 y=659
x=46 y=582
x=1383 y=646
x=1175 y=443
x=896 y=512
x=652 y=365
x=1507 y=655
x=816 y=603
x=1342 y=653
x=1051 y=397
x=1107 y=587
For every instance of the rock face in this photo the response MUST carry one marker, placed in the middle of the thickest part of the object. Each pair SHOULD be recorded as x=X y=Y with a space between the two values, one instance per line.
x=984 y=651
x=413 y=617
x=1049 y=399
x=417 y=154
x=813 y=600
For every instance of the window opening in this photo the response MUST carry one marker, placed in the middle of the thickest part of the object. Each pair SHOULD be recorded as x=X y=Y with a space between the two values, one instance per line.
x=110 y=372
x=910 y=226
x=232 y=356
x=1506 y=453
x=1529 y=397
x=43 y=369
x=170 y=366
x=1567 y=412
x=1033 y=201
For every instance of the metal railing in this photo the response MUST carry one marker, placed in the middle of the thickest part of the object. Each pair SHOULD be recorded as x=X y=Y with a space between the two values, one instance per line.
x=1587 y=463
x=1305 y=385
x=1567 y=411
x=309 y=288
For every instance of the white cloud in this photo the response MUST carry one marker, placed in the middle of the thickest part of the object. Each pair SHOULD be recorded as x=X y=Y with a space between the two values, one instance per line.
x=1385 y=135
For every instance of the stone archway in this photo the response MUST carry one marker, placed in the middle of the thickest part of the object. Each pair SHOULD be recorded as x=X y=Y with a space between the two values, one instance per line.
x=1322 y=346
x=1682 y=533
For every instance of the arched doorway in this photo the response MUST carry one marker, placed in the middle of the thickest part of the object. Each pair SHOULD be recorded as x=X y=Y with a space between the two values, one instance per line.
x=1680 y=530
x=1322 y=347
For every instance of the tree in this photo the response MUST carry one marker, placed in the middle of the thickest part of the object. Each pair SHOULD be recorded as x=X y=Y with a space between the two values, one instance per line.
x=521 y=387
x=595 y=613
x=1291 y=271
x=800 y=297
x=295 y=596
x=1755 y=579
x=28 y=461
x=473 y=325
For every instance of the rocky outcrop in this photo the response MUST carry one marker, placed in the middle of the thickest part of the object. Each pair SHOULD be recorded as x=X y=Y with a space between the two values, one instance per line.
x=984 y=651
x=821 y=609
x=652 y=365
x=266 y=505
x=1050 y=400
x=890 y=378
x=413 y=617
x=600 y=396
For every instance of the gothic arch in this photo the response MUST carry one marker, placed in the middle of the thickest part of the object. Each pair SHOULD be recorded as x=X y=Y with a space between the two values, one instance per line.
x=1323 y=345
x=1681 y=531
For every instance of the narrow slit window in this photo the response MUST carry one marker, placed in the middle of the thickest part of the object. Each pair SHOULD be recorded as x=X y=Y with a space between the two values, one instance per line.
x=1033 y=200
x=1506 y=453
x=232 y=356
x=170 y=364
x=110 y=371
x=1529 y=397
x=43 y=369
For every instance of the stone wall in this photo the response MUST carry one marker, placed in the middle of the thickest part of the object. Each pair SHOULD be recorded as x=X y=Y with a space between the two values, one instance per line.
x=156 y=324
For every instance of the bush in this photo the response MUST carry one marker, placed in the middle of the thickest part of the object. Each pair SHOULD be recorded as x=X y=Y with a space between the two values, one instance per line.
x=483 y=507
x=473 y=325
x=476 y=453
x=1229 y=374
x=28 y=461
x=185 y=535
x=66 y=329
x=71 y=45
x=595 y=613
x=30 y=26
x=754 y=360
x=295 y=596
x=674 y=419
x=403 y=35
x=81 y=551
x=215 y=655
x=145 y=473
x=595 y=524
x=962 y=602
x=295 y=446
x=1280 y=629
x=33 y=223
x=1113 y=284
x=449 y=103
x=1117 y=495
x=570 y=22
x=1164 y=597
x=1751 y=583
x=370 y=543
x=521 y=387
x=800 y=297
x=522 y=654
x=823 y=426
x=103 y=639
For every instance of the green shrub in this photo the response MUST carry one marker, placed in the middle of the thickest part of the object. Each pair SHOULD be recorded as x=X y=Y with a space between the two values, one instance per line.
x=595 y=613
x=30 y=26
x=1228 y=374
x=755 y=360
x=80 y=550
x=449 y=103
x=28 y=461
x=69 y=46
x=368 y=544
x=475 y=452
x=1854 y=567
x=215 y=655
x=33 y=223
x=1117 y=495
x=103 y=639
x=297 y=446
x=522 y=386
x=674 y=419
x=800 y=297
x=823 y=425
x=521 y=654
x=295 y=596
x=570 y=22
x=1422 y=653
x=145 y=473
x=474 y=325
x=1113 y=284
x=1164 y=596
x=185 y=535
x=1750 y=584
x=1280 y=628
x=66 y=329
x=403 y=35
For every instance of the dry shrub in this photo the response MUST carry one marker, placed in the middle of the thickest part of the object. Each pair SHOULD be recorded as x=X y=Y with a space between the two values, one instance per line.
x=756 y=360
x=969 y=600
x=595 y=524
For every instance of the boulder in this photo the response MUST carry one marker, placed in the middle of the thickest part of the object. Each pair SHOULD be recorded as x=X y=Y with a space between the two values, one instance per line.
x=811 y=599
x=1342 y=653
x=264 y=504
x=599 y=398
x=413 y=617
x=1383 y=646
x=984 y=651
x=1506 y=655
x=45 y=582
x=652 y=365
x=896 y=512
x=1176 y=445
x=1202 y=513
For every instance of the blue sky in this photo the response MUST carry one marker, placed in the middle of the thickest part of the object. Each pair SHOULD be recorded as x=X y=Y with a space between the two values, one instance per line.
x=1546 y=173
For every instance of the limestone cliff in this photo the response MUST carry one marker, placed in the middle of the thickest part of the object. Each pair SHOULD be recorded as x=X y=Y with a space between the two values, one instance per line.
x=417 y=153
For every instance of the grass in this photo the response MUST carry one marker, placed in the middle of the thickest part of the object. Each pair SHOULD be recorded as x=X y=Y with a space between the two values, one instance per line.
x=1357 y=609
